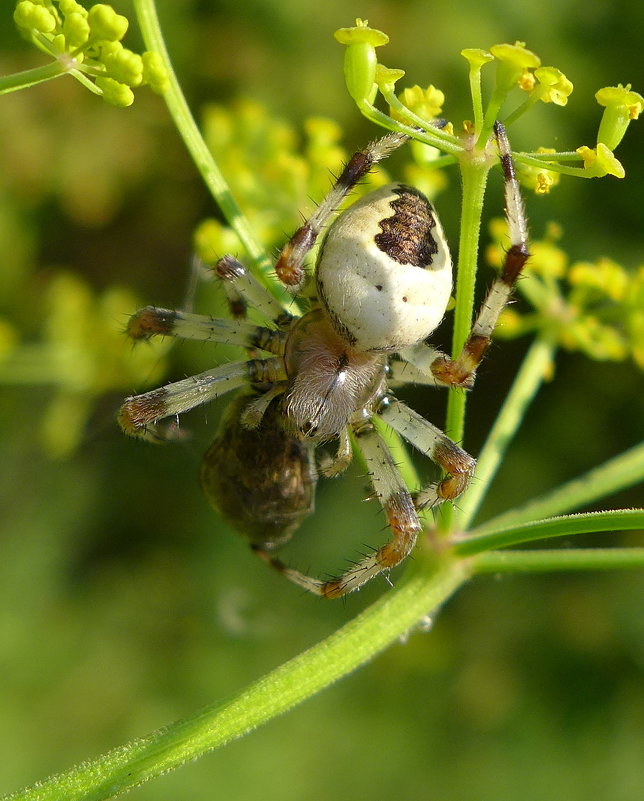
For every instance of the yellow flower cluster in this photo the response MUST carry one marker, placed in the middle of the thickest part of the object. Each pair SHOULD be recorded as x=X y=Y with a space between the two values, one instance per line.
x=594 y=307
x=272 y=175
x=415 y=111
x=86 y=43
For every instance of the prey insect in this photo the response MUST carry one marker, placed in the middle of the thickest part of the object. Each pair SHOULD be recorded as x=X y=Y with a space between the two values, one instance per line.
x=383 y=280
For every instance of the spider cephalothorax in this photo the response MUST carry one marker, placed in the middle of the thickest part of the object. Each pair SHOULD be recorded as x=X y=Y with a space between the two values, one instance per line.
x=383 y=278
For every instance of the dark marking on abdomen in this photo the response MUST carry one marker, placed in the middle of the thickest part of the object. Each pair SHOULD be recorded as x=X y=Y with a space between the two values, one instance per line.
x=406 y=236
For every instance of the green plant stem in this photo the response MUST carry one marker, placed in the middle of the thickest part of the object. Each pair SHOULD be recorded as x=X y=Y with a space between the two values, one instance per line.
x=552 y=165
x=625 y=470
x=474 y=177
x=477 y=97
x=449 y=143
x=529 y=379
x=382 y=624
x=491 y=114
x=547 y=561
x=210 y=172
x=560 y=155
x=21 y=80
x=429 y=135
x=565 y=526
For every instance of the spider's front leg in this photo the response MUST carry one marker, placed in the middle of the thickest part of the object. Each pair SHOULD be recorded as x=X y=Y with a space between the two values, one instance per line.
x=460 y=371
x=289 y=267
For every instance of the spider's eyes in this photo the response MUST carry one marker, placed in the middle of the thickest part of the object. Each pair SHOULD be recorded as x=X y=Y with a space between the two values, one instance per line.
x=384 y=404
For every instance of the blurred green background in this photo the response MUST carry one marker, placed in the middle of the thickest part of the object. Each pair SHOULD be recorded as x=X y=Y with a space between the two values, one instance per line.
x=125 y=603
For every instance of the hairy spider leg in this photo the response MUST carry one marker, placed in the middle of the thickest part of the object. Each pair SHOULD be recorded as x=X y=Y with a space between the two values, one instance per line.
x=242 y=285
x=153 y=321
x=289 y=267
x=139 y=414
x=334 y=466
x=436 y=445
x=243 y=290
x=460 y=371
x=415 y=366
x=399 y=509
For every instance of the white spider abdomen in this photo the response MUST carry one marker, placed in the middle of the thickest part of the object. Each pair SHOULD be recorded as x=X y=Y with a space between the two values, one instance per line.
x=384 y=273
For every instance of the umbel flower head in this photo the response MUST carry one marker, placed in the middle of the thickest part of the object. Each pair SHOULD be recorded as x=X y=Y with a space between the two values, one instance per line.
x=414 y=111
x=87 y=44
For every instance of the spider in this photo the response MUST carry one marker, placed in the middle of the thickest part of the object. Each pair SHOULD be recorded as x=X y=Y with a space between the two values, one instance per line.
x=383 y=279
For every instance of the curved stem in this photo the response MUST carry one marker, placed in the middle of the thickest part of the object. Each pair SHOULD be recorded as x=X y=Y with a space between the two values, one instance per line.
x=293 y=682
x=430 y=136
x=625 y=470
x=564 y=526
x=449 y=142
x=477 y=97
x=547 y=561
x=182 y=116
x=553 y=166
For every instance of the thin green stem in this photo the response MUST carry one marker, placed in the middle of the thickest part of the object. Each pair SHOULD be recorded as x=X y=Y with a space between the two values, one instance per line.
x=474 y=78
x=449 y=142
x=536 y=158
x=547 y=561
x=565 y=526
x=86 y=82
x=26 y=78
x=431 y=136
x=491 y=115
x=210 y=172
x=550 y=164
x=524 y=388
x=625 y=470
x=474 y=176
x=521 y=109
x=293 y=682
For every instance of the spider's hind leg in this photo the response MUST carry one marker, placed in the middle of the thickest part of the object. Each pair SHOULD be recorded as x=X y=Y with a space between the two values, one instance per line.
x=402 y=520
